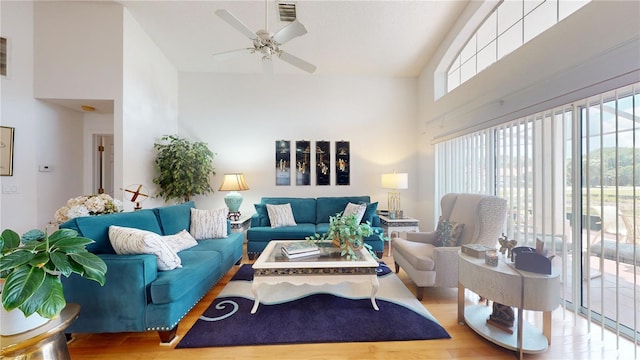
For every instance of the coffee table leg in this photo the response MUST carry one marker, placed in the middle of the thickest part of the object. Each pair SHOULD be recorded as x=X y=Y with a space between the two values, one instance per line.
x=375 y=284
x=256 y=301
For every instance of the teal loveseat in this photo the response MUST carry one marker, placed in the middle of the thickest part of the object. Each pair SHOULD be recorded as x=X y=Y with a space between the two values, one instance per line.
x=136 y=296
x=311 y=216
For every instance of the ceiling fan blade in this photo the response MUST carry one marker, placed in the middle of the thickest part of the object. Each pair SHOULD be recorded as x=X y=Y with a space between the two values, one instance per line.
x=226 y=55
x=297 y=62
x=289 y=32
x=237 y=24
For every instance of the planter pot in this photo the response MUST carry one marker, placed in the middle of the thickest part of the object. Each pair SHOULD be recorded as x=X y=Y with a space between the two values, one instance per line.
x=337 y=242
x=14 y=322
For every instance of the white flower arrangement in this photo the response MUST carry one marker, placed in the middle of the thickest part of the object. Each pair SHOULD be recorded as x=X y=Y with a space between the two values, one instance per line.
x=87 y=205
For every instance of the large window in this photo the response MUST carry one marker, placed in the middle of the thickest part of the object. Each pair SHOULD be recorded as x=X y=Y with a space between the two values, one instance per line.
x=571 y=176
x=509 y=26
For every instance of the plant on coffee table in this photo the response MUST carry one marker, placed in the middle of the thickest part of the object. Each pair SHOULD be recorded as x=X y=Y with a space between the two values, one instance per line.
x=348 y=234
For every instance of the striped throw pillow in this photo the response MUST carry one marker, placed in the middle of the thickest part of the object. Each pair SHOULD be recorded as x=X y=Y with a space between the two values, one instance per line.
x=135 y=241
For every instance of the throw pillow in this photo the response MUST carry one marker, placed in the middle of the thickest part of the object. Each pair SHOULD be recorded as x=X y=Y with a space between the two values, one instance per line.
x=371 y=210
x=208 y=224
x=448 y=233
x=263 y=216
x=135 y=241
x=180 y=241
x=280 y=215
x=354 y=209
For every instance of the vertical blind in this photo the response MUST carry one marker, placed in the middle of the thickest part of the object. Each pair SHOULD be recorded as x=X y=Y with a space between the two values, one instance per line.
x=571 y=177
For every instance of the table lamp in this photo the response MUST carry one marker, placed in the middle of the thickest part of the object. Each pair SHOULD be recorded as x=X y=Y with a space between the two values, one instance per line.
x=233 y=183
x=394 y=181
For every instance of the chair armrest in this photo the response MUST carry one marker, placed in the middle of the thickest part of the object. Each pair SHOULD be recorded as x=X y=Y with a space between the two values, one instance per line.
x=446 y=266
x=423 y=237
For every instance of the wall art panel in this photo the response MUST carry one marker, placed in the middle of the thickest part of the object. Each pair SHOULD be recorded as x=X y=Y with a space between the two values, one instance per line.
x=343 y=164
x=283 y=162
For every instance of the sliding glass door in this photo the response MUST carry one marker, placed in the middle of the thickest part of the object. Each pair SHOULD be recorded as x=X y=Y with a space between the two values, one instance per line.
x=532 y=162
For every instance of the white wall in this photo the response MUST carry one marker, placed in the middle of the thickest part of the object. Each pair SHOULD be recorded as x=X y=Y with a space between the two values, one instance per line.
x=242 y=116
x=149 y=109
x=44 y=133
x=78 y=49
x=570 y=61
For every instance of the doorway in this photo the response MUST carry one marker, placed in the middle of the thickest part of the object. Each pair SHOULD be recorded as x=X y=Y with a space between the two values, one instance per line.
x=103 y=161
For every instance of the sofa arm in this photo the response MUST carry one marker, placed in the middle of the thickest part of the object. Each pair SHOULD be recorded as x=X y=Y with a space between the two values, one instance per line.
x=423 y=237
x=446 y=266
x=119 y=305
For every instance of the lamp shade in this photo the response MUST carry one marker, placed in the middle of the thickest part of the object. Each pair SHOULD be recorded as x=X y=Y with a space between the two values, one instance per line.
x=233 y=182
x=395 y=181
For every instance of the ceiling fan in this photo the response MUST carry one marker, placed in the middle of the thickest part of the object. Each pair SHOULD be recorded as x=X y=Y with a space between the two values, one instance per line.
x=266 y=43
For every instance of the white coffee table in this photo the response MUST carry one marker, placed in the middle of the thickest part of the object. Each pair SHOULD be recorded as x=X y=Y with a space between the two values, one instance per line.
x=328 y=268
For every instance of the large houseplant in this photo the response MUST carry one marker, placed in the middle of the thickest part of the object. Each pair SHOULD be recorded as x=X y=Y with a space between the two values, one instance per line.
x=348 y=234
x=185 y=168
x=32 y=265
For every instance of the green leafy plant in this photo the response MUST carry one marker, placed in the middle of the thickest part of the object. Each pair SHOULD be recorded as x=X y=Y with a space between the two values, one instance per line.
x=32 y=267
x=185 y=168
x=349 y=233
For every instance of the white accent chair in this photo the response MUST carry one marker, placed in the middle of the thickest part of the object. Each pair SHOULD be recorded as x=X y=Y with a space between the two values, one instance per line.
x=483 y=217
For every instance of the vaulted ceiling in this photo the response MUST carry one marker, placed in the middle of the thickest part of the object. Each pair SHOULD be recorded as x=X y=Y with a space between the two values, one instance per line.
x=374 y=38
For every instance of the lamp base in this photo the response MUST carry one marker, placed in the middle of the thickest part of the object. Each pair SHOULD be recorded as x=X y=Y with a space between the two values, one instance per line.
x=233 y=201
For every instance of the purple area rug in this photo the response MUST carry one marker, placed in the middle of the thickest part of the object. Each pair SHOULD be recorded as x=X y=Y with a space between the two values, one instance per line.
x=311 y=317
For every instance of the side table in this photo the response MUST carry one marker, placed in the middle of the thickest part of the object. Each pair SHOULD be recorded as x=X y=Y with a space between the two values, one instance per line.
x=392 y=227
x=241 y=225
x=509 y=286
x=46 y=342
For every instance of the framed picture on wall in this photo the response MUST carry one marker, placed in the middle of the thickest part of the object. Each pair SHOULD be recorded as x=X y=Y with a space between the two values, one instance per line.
x=303 y=154
x=323 y=163
x=283 y=162
x=343 y=163
x=6 y=150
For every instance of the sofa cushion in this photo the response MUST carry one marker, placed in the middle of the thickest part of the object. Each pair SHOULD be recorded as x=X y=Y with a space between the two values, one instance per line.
x=329 y=206
x=180 y=241
x=304 y=209
x=224 y=246
x=174 y=218
x=209 y=224
x=172 y=285
x=280 y=215
x=265 y=234
x=130 y=241
x=96 y=228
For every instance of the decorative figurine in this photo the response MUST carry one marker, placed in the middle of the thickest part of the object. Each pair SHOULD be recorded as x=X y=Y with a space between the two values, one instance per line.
x=506 y=245
x=502 y=317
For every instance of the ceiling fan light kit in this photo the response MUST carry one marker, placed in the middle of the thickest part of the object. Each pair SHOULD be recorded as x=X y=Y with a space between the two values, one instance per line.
x=267 y=44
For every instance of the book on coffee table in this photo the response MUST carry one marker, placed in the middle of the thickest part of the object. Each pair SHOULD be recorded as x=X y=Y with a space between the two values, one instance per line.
x=299 y=247
x=300 y=254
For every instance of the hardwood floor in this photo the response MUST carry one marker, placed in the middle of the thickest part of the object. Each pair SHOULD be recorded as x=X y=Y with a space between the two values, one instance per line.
x=570 y=339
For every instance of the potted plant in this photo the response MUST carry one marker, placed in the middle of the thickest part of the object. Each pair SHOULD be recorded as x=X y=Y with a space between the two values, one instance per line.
x=185 y=168
x=31 y=267
x=347 y=234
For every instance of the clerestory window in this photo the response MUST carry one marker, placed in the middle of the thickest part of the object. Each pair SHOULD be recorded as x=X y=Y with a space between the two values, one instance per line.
x=511 y=24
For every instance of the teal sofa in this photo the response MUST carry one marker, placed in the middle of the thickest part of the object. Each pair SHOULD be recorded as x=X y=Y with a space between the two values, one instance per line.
x=311 y=216
x=136 y=296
